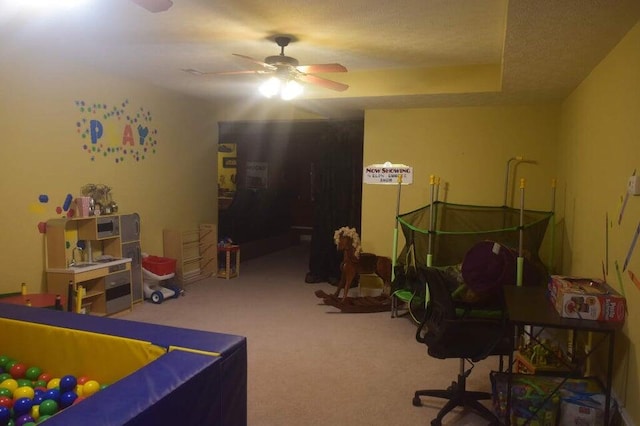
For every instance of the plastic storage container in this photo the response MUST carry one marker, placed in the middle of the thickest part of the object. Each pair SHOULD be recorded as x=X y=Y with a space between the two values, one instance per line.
x=159 y=265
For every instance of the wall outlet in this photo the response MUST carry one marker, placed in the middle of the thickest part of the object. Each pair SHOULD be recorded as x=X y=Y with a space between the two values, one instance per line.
x=634 y=185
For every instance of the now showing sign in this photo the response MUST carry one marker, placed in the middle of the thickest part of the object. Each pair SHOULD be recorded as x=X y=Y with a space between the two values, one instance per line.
x=387 y=174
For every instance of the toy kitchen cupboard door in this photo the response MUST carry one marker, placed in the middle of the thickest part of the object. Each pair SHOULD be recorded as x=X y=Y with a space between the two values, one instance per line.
x=130 y=237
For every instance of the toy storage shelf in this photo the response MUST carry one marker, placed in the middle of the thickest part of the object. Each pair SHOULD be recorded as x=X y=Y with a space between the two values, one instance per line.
x=194 y=251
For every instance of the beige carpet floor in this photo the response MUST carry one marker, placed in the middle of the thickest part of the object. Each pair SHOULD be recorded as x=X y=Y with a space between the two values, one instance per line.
x=308 y=363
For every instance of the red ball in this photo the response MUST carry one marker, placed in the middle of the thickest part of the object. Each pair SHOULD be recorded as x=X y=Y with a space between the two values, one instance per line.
x=45 y=377
x=82 y=380
x=6 y=402
x=18 y=371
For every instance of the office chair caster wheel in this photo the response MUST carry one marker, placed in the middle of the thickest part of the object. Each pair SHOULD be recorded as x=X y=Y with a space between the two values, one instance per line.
x=416 y=401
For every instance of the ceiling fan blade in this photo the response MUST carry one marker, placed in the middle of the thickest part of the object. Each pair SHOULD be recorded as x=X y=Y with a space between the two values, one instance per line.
x=154 y=5
x=198 y=72
x=326 y=83
x=320 y=68
x=256 y=61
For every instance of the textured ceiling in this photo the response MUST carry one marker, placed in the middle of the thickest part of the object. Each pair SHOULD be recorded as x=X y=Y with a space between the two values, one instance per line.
x=410 y=53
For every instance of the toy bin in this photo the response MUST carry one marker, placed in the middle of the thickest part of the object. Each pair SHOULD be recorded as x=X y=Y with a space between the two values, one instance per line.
x=159 y=265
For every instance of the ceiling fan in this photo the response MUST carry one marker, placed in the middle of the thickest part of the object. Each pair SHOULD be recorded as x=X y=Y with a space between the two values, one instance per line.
x=287 y=68
x=154 y=5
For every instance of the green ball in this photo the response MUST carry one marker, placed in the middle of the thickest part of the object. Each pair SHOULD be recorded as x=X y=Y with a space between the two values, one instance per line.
x=33 y=373
x=24 y=382
x=40 y=384
x=43 y=418
x=10 y=363
x=3 y=360
x=6 y=392
x=5 y=376
x=48 y=407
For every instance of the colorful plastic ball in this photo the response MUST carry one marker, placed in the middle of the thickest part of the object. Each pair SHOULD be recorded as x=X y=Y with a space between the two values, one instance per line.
x=53 y=383
x=67 y=399
x=23 y=419
x=5 y=376
x=10 y=364
x=6 y=392
x=22 y=406
x=3 y=360
x=48 y=407
x=43 y=418
x=24 y=382
x=6 y=401
x=18 y=370
x=35 y=412
x=79 y=390
x=33 y=373
x=45 y=377
x=37 y=399
x=10 y=384
x=5 y=415
x=68 y=383
x=24 y=392
x=53 y=393
x=90 y=388
x=82 y=380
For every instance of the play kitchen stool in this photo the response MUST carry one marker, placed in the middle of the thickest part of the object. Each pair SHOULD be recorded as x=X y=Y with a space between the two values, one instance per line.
x=225 y=271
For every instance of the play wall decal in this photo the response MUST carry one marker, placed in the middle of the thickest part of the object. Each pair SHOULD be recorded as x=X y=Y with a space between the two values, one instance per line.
x=116 y=132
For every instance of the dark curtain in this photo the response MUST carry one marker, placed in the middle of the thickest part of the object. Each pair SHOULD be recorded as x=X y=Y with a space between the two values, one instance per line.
x=338 y=197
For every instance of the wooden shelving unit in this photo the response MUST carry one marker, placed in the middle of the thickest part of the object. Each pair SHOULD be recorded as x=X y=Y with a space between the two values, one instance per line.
x=194 y=251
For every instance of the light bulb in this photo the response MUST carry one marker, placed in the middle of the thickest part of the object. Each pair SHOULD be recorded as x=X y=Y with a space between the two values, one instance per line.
x=290 y=90
x=271 y=87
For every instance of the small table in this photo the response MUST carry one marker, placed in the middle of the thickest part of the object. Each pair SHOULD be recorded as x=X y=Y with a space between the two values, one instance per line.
x=530 y=306
x=227 y=272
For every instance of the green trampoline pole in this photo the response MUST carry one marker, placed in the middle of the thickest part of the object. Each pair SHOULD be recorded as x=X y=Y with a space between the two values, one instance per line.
x=432 y=181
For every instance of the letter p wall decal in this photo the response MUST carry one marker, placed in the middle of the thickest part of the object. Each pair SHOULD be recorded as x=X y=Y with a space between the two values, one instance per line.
x=96 y=131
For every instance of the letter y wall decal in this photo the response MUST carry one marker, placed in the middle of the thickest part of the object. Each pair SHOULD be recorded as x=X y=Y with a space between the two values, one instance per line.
x=116 y=132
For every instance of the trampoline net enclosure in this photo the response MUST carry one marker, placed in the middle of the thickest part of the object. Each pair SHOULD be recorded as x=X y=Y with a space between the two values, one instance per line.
x=458 y=227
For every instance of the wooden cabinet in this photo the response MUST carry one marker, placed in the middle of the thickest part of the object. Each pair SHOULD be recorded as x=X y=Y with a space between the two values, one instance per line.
x=194 y=251
x=84 y=257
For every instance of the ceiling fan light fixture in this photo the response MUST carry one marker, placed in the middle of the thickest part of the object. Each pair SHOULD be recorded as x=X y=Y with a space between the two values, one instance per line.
x=270 y=87
x=291 y=89
x=275 y=86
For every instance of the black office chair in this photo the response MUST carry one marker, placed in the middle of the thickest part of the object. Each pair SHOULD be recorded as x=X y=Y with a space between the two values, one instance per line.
x=452 y=329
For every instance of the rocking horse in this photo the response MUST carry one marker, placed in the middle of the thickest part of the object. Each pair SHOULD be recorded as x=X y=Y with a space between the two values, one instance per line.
x=354 y=263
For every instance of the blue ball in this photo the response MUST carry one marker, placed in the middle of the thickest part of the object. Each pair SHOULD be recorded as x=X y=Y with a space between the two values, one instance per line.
x=68 y=383
x=53 y=393
x=67 y=398
x=22 y=406
x=5 y=415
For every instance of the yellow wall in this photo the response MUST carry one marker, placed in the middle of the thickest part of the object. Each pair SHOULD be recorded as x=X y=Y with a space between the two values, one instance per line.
x=599 y=150
x=468 y=148
x=42 y=154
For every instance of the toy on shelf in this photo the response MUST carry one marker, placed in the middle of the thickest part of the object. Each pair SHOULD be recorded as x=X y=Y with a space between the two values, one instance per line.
x=156 y=270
